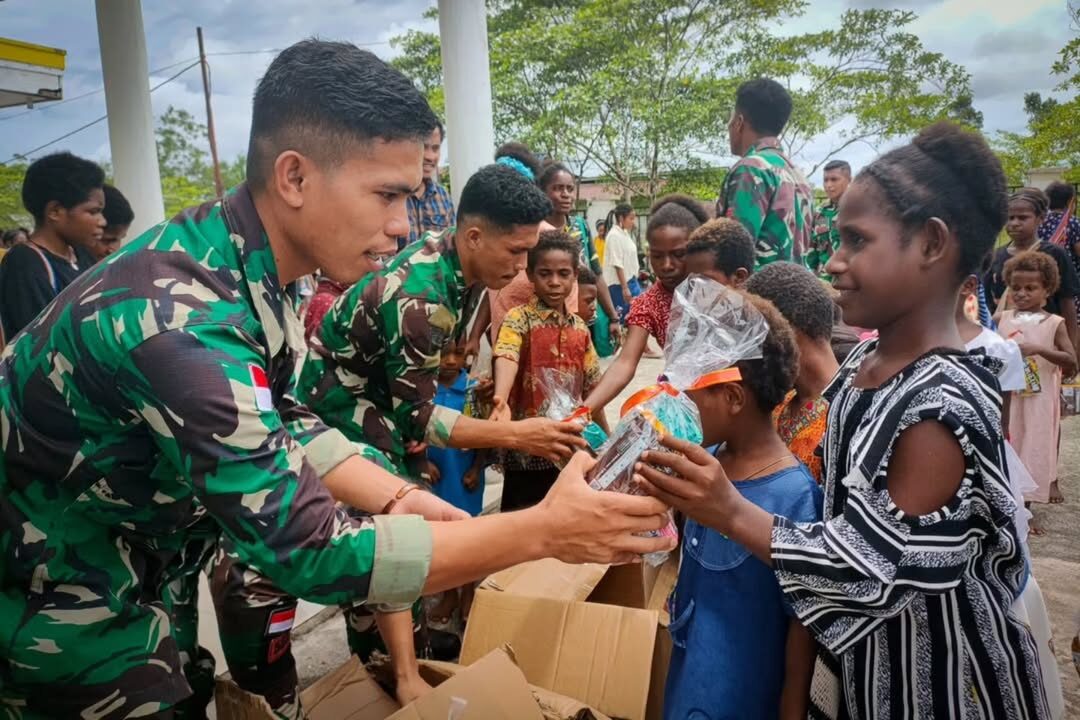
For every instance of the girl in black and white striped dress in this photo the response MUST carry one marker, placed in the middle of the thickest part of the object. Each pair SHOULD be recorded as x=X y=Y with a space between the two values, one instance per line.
x=908 y=581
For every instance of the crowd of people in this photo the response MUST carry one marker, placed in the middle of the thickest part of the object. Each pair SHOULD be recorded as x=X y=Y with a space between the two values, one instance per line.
x=281 y=388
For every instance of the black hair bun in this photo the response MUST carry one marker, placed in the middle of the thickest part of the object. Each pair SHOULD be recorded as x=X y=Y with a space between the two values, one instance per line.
x=973 y=163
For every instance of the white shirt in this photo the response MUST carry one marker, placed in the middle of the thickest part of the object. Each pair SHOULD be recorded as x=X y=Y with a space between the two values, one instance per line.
x=1008 y=352
x=619 y=252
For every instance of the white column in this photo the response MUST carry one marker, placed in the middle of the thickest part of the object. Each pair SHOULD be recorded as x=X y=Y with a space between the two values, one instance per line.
x=467 y=82
x=127 y=101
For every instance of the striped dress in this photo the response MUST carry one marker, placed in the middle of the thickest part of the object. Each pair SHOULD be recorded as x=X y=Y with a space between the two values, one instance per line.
x=913 y=612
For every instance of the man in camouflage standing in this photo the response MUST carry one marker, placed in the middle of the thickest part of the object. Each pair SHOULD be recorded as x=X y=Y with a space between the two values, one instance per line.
x=150 y=409
x=825 y=237
x=764 y=190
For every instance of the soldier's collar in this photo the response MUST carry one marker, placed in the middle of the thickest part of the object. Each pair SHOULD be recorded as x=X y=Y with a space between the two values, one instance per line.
x=766 y=142
x=257 y=263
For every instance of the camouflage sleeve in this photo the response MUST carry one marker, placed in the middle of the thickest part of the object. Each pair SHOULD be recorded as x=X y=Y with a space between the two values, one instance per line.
x=747 y=198
x=224 y=433
x=414 y=330
x=324 y=447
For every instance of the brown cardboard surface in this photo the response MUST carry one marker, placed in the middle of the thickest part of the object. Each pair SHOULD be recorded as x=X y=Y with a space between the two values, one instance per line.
x=598 y=654
x=548 y=578
x=492 y=687
x=347 y=693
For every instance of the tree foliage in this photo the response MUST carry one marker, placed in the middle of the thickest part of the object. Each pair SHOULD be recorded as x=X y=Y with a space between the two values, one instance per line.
x=1051 y=138
x=640 y=90
x=183 y=156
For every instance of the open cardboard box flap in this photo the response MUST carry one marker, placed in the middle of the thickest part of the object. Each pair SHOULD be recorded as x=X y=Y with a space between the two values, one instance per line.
x=600 y=652
x=492 y=687
x=347 y=693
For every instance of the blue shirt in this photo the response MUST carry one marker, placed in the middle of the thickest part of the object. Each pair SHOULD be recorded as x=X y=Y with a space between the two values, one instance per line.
x=453 y=463
x=729 y=619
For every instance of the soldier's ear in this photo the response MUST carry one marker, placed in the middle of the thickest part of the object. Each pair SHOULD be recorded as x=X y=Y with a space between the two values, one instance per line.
x=473 y=236
x=290 y=176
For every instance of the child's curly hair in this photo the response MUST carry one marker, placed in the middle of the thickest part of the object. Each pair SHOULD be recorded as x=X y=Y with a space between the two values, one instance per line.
x=771 y=377
x=1039 y=262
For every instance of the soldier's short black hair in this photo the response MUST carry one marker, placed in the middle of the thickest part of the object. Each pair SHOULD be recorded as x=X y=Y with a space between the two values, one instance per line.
x=585 y=276
x=729 y=244
x=771 y=377
x=949 y=173
x=1060 y=194
x=676 y=210
x=117 y=208
x=319 y=95
x=799 y=295
x=554 y=241
x=61 y=177
x=765 y=103
x=503 y=197
x=841 y=165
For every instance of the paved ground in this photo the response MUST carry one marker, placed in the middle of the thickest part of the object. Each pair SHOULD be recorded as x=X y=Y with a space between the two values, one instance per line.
x=320 y=644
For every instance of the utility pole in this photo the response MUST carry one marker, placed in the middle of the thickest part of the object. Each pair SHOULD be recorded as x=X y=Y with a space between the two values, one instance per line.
x=218 y=186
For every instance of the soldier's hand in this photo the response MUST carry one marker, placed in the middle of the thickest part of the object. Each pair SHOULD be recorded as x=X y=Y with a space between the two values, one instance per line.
x=485 y=391
x=421 y=502
x=550 y=439
x=585 y=525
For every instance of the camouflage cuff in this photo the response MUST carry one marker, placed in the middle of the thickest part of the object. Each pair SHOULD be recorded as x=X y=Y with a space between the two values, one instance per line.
x=402 y=559
x=440 y=426
x=327 y=450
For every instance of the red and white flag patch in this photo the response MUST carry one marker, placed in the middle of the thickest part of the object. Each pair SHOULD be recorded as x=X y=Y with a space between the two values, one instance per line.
x=281 y=621
x=264 y=399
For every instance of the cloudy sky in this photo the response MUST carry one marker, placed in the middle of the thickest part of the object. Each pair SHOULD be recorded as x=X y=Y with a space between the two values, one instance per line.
x=1006 y=45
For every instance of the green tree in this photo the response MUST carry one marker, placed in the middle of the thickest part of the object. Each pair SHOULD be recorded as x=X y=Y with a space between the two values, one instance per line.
x=184 y=159
x=639 y=90
x=1051 y=138
x=12 y=212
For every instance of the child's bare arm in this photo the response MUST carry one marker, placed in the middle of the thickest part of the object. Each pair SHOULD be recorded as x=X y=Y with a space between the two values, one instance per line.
x=506 y=371
x=396 y=629
x=798 y=672
x=1062 y=353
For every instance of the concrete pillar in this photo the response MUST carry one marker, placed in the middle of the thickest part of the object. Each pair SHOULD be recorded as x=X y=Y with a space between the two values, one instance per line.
x=467 y=81
x=127 y=101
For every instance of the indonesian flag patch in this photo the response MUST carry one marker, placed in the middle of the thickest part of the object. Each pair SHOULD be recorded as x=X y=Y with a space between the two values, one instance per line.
x=264 y=400
x=281 y=621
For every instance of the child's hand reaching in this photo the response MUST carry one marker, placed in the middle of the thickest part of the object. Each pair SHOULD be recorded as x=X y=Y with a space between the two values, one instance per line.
x=1028 y=349
x=471 y=478
x=432 y=474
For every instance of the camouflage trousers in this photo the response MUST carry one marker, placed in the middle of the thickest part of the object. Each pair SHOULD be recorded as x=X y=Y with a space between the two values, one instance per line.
x=255 y=620
x=78 y=651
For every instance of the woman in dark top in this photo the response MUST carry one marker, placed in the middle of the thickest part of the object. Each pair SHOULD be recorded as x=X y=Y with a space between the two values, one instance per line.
x=65 y=196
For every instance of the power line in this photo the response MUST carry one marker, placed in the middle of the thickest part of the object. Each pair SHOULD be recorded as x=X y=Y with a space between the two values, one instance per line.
x=65 y=136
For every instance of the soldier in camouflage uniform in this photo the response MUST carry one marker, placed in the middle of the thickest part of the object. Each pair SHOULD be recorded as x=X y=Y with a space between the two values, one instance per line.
x=150 y=408
x=764 y=190
x=372 y=373
x=825 y=238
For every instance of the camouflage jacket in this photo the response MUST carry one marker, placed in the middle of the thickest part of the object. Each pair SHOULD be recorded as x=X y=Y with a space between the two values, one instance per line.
x=824 y=240
x=373 y=365
x=772 y=199
x=145 y=411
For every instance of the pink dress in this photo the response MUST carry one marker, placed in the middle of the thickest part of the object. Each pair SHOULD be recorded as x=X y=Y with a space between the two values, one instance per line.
x=1035 y=412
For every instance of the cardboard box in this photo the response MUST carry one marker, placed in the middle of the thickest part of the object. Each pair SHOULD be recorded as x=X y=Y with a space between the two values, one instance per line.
x=590 y=632
x=492 y=687
x=347 y=693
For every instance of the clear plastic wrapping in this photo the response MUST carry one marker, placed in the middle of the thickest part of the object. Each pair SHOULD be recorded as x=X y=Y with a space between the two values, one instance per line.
x=563 y=402
x=710 y=330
